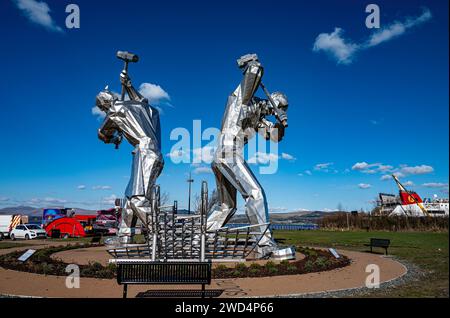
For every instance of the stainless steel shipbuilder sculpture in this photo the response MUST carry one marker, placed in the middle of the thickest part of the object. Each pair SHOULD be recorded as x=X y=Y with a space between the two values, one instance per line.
x=138 y=122
x=245 y=115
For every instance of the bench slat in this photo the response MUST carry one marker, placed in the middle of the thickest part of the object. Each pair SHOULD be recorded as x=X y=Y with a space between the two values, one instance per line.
x=380 y=242
x=177 y=293
x=164 y=273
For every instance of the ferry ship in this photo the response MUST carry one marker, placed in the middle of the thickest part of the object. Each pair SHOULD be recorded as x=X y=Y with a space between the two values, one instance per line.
x=409 y=203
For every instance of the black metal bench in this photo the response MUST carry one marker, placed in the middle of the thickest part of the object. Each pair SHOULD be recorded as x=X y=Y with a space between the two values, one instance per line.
x=376 y=242
x=166 y=273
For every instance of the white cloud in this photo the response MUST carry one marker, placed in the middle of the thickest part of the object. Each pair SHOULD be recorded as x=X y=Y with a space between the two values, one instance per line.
x=266 y=158
x=202 y=169
x=435 y=185
x=101 y=187
x=335 y=45
x=371 y=168
x=308 y=172
x=400 y=172
x=4 y=199
x=408 y=184
x=154 y=93
x=288 y=157
x=98 y=113
x=39 y=13
x=109 y=199
x=422 y=169
x=385 y=168
x=323 y=166
x=81 y=187
x=364 y=186
x=329 y=210
x=277 y=209
x=360 y=166
x=204 y=154
x=344 y=50
x=178 y=155
x=47 y=200
x=396 y=29
x=199 y=155
x=263 y=158
x=389 y=177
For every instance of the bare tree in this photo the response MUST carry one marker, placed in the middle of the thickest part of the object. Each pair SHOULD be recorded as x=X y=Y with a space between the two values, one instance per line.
x=213 y=198
x=197 y=203
x=164 y=198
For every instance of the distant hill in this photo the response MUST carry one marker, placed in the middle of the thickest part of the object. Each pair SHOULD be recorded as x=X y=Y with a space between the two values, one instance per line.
x=24 y=210
x=33 y=211
x=288 y=217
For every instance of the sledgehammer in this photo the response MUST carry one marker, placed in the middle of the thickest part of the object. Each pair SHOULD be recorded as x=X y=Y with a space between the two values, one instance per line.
x=127 y=57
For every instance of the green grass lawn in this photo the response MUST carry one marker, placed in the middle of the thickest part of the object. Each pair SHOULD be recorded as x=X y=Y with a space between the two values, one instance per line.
x=427 y=250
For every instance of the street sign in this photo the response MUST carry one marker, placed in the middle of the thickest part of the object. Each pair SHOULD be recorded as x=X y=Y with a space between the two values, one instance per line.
x=26 y=255
x=333 y=251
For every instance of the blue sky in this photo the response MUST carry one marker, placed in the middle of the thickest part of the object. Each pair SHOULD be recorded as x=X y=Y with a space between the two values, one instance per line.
x=357 y=111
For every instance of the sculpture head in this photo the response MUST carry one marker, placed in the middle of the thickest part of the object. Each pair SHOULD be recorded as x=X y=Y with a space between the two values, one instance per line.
x=280 y=100
x=105 y=100
x=244 y=60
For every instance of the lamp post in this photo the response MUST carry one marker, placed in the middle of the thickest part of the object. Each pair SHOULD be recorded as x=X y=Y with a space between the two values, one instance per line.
x=190 y=180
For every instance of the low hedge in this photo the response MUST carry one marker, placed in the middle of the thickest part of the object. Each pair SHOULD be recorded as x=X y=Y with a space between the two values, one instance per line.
x=42 y=263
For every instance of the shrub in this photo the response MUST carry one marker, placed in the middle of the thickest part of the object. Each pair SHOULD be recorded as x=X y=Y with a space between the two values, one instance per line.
x=309 y=266
x=321 y=263
x=284 y=263
x=270 y=264
x=291 y=268
x=96 y=266
x=254 y=271
x=236 y=273
x=255 y=266
x=221 y=267
x=47 y=268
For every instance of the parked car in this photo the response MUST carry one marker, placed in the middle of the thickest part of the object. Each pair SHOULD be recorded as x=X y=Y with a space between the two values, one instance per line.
x=28 y=232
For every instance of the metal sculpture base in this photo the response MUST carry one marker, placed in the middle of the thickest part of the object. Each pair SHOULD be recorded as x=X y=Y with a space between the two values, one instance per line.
x=173 y=237
x=181 y=240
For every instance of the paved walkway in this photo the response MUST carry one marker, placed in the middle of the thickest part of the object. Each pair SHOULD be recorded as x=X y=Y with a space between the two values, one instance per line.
x=352 y=276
